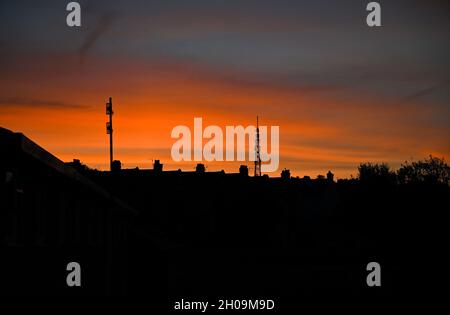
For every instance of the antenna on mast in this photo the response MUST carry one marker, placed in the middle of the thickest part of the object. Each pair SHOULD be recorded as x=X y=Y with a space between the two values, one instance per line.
x=109 y=131
x=257 y=151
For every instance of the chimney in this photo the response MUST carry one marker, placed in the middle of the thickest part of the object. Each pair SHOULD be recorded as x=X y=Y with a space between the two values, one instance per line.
x=157 y=167
x=243 y=170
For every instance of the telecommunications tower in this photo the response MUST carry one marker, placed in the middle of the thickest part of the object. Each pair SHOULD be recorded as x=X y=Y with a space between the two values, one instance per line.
x=257 y=151
x=109 y=131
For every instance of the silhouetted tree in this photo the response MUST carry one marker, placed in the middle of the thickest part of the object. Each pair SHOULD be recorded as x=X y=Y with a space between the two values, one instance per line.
x=285 y=174
x=79 y=166
x=376 y=173
x=320 y=177
x=430 y=171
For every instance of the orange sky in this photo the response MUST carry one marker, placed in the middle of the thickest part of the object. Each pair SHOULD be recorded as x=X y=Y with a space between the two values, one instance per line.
x=316 y=133
x=340 y=92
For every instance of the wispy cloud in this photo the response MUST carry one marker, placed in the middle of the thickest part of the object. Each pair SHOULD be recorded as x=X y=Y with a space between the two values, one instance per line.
x=103 y=24
x=420 y=93
x=32 y=102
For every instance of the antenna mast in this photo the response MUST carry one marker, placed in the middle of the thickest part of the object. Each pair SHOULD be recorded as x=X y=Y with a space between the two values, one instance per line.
x=109 y=131
x=257 y=151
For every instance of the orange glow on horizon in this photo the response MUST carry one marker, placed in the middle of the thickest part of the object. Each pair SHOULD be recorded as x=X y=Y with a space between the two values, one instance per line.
x=318 y=132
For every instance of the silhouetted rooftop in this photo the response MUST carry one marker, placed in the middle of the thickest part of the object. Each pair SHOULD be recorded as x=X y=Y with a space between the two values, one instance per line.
x=13 y=144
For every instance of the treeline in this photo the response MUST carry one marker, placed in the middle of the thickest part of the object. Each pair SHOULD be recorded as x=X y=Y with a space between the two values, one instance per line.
x=431 y=170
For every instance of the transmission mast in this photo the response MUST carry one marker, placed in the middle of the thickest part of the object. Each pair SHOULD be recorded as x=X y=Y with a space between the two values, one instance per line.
x=257 y=151
x=109 y=131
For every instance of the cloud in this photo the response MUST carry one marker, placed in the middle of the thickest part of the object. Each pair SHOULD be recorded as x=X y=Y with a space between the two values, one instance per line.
x=103 y=24
x=420 y=94
x=31 y=102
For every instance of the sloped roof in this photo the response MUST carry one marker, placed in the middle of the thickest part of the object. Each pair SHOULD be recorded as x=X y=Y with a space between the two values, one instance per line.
x=14 y=142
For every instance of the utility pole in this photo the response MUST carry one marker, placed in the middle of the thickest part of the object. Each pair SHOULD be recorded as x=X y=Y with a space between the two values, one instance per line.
x=257 y=151
x=109 y=130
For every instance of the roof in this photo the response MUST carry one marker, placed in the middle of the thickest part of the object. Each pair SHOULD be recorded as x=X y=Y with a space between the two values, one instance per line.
x=14 y=142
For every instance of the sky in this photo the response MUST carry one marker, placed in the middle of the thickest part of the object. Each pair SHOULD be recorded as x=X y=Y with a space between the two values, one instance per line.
x=341 y=92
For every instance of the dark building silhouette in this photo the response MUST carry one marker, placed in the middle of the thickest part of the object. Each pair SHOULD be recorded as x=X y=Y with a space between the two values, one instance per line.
x=243 y=170
x=51 y=215
x=201 y=233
